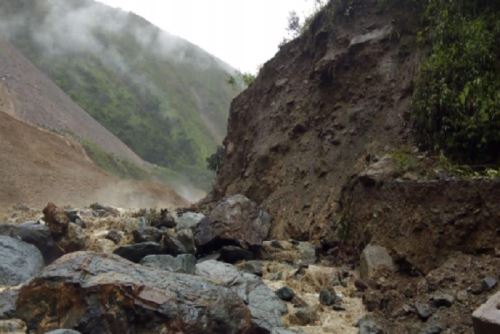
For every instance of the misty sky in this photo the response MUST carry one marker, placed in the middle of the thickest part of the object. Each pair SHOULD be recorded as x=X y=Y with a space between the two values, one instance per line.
x=243 y=33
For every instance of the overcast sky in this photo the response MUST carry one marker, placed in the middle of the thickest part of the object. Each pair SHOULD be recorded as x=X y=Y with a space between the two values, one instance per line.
x=243 y=33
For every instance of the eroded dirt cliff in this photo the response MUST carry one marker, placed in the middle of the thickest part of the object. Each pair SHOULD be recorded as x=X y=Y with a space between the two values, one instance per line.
x=326 y=102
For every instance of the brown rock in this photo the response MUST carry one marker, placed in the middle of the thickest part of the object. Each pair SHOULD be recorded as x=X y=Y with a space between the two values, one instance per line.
x=57 y=220
x=107 y=294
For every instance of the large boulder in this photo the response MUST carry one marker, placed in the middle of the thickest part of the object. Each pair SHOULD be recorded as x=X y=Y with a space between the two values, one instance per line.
x=373 y=259
x=185 y=263
x=35 y=234
x=19 y=261
x=266 y=308
x=189 y=220
x=234 y=220
x=96 y=293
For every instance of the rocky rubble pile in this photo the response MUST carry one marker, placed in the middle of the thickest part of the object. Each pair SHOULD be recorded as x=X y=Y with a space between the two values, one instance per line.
x=105 y=270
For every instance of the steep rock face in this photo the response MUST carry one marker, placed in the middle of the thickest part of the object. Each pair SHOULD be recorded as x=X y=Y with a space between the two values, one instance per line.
x=315 y=113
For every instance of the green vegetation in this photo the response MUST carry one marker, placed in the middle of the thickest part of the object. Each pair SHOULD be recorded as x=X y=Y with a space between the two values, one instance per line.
x=214 y=162
x=405 y=161
x=456 y=105
x=165 y=98
x=112 y=164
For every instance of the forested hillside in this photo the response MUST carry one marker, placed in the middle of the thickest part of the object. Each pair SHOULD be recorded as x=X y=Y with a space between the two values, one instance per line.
x=162 y=96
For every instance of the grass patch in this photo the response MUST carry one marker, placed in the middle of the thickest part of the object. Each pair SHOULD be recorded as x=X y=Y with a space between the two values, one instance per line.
x=113 y=164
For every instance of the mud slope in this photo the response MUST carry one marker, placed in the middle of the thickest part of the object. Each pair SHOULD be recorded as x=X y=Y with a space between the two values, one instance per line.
x=37 y=100
x=316 y=112
x=37 y=166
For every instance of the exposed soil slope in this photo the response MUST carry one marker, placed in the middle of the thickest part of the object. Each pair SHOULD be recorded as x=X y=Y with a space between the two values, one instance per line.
x=326 y=101
x=35 y=99
x=38 y=166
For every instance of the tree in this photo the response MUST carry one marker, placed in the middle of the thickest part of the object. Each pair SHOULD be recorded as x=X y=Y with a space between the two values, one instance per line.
x=214 y=162
x=293 y=28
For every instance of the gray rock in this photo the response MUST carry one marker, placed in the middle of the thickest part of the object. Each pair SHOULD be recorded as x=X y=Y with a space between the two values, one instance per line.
x=118 y=296
x=327 y=297
x=378 y=171
x=136 y=252
x=12 y=326
x=186 y=238
x=185 y=263
x=235 y=219
x=374 y=258
x=19 y=261
x=367 y=325
x=253 y=267
x=489 y=283
x=424 y=311
x=63 y=331
x=147 y=234
x=189 y=220
x=432 y=329
x=8 y=297
x=266 y=308
x=285 y=293
x=36 y=234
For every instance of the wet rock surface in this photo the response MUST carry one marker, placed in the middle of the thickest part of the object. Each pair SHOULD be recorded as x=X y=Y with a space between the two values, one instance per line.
x=19 y=261
x=185 y=263
x=266 y=308
x=234 y=220
x=105 y=290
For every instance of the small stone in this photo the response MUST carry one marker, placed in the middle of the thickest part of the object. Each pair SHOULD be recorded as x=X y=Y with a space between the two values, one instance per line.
x=338 y=307
x=489 y=283
x=442 y=300
x=424 y=311
x=165 y=219
x=432 y=329
x=327 y=297
x=367 y=325
x=360 y=285
x=114 y=236
x=285 y=294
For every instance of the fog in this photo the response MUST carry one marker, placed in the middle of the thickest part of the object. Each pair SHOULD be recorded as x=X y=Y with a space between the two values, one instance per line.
x=77 y=26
